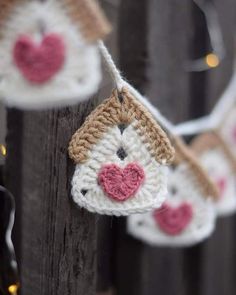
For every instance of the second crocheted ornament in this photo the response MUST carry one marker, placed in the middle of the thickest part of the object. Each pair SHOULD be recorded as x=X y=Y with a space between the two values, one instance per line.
x=121 y=155
x=49 y=55
x=187 y=216
x=227 y=130
x=216 y=157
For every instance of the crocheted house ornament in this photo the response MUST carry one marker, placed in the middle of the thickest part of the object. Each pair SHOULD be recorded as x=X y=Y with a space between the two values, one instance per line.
x=227 y=130
x=216 y=157
x=48 y=51
x=187 y=216
x=121 y=155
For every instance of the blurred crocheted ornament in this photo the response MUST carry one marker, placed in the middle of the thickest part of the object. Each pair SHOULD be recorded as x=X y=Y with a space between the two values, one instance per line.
x=187 y=216
x=227 y=129
x=48 y=52
x=121 y=155
x=216 y=157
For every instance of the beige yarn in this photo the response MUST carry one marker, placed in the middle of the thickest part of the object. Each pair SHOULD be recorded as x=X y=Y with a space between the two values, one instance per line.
x=86 y=14
x=113 y=112
x=89 y=17
x=184 y=154
x=211 y=140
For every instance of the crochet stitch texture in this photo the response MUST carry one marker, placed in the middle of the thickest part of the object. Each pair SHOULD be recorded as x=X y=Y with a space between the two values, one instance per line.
x=227 y=130
x=173 y=220
x=113 y=112
x=121 y=184
x=216 y=157
x=187 y=216
x=71 y=74
x=121 y=155
x=39 y=63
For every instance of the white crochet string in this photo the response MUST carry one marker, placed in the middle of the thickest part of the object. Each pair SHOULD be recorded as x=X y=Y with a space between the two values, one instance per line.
x=120 y=83
x=213 y=120
x=192 y=127
x=113 y=70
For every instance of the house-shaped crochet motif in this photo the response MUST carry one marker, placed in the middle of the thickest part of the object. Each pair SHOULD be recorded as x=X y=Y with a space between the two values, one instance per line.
x=48 y=51
x=187 y=216
x=121 y=155
x=216 y=157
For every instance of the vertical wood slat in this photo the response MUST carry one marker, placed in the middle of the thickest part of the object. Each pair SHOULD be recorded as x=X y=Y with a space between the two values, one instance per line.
x=154 y=59
x=58 y=241
x=13 y=175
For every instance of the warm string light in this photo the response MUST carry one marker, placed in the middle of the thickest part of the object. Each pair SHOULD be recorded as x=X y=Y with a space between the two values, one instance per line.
x=3 y=150
x=212 y=60
x=12 y=289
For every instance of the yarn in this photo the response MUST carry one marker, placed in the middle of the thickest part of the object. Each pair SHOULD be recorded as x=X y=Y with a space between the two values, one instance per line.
x=227 y=129
x=39 y=63
x=121 y=184
x=75 y=80
x=88 y=17
x=173 y=220
x=222 y=185
x=112 y=112
x=219 y=163
x=188 y=215
x=220 y=117
x=121 y=155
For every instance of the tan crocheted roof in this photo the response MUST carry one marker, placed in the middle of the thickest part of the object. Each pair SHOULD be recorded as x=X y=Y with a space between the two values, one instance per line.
x=184 y=154
x=86 y=14
x=211 y=140
x=89 y=18
x=112 y=112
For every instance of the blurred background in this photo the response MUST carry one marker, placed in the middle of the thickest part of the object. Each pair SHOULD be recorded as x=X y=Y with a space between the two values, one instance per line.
x=62 y=250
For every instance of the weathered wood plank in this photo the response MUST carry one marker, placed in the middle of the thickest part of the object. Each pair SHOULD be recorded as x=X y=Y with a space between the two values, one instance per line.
x=58 y=240
x=153 y=59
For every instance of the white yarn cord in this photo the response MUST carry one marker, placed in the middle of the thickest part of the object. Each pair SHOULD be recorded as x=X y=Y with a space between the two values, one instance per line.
x=120 y=83
x=114 y=72
x=192 y=127
x=213 y=120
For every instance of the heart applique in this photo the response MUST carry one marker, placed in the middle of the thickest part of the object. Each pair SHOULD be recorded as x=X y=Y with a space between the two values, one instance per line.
x=221 y=184
x=234 y=134
x=39 y=62
x=121 y=184
x=173 y=220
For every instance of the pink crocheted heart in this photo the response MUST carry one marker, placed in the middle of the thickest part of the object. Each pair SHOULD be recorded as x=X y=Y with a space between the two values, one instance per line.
x=121 y=184
x=39 y=62
x=173 y=220
x=234 y=134
x=221 y=184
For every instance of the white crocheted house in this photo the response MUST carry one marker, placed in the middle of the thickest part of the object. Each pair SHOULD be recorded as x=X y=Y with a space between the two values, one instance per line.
x=121 y=155
x=218 y=160
x=187 y=216
x=48 y=51
x=227 y=129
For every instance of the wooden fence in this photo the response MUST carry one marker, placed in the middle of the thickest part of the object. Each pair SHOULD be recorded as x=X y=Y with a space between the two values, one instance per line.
x=63 y=250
